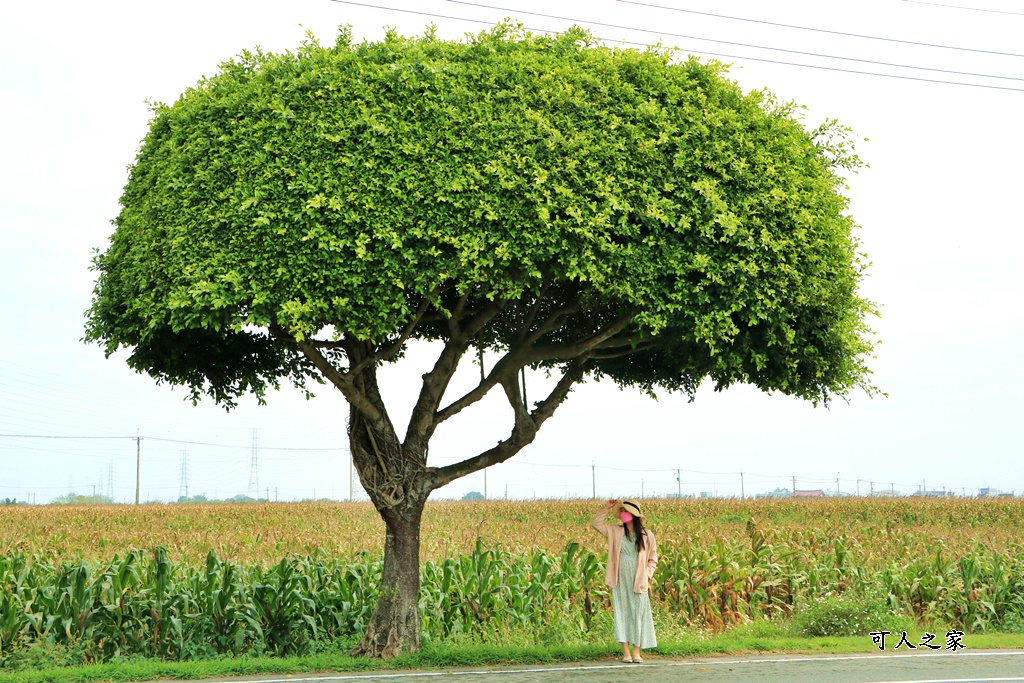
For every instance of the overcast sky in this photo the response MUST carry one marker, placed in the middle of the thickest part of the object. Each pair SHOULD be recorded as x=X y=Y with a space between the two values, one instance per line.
x=940 y=209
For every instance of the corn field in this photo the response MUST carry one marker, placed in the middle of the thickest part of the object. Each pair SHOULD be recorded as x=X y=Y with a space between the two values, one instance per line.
x=181 y=582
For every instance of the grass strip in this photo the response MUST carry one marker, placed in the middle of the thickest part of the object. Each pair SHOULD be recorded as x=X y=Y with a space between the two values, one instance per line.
x=448 y=656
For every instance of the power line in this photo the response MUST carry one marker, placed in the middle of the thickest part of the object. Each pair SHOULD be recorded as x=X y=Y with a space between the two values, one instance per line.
x=971 y=9
x=702 y=52
x=252 y=470
x=42 y=436
x=221 y=445
x=738 y=44
x=180 y=441
x=822 y=30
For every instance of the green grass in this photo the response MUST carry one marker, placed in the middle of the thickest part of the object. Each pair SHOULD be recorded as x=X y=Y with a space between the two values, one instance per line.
x=761 y=637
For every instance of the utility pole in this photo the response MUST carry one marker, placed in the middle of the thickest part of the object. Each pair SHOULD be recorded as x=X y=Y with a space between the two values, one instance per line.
x=872 y=485
x=858 y=488
x=593 y=481
x=268 y=493
x=743 y=493
x=254 y=475
x=679 y=484
x=138 y=463
x=183 y=486
x=794 y=484
x=837 y=483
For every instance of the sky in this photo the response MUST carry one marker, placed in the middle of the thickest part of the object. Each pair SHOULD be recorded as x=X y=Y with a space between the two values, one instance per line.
x=940 y=210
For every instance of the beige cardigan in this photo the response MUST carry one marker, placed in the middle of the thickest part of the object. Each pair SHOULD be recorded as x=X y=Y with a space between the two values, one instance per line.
x=646 y=561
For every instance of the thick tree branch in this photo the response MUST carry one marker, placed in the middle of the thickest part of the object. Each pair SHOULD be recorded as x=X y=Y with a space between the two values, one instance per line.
x=620 y=341
x=580 y=347
x=514 y=394
x=598 y=354
x=422 y=422
x=521 y=436
x=344 y=384
x=517 y=358
x=546 y=408
x=504 y=369
x=531 y=314
x=479 y=319
x=456 y=315
x=324 y=344
x=552 y=322
x=339 y=379
x=391 y=349
x=604 y=334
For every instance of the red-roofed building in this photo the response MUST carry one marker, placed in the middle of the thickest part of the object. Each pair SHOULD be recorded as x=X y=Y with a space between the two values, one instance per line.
x=812 y=493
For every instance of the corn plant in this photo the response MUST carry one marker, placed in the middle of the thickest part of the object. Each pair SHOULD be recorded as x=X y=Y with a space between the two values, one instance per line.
x=234 y=585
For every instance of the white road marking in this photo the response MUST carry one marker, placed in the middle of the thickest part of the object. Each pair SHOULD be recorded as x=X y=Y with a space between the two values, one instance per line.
x=424 y=674
x=840 y=658
x=955 y=680
x=651 y=663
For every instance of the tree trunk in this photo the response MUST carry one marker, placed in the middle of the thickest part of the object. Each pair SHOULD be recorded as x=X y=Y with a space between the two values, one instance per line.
x=398 y=483
x=395 y=624
x=395 y=481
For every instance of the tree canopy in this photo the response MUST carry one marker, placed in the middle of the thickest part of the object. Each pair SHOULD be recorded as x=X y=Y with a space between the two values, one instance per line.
x=352 y=189
x=568 y=206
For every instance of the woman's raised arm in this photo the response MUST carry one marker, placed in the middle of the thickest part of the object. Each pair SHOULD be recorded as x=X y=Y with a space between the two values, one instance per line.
x=598 y=522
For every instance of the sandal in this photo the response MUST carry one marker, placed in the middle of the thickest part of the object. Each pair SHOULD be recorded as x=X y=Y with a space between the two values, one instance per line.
x=627 y=660
x=638 y=660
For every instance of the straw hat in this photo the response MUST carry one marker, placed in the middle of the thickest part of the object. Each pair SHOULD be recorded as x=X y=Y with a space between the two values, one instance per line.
x=630 y=507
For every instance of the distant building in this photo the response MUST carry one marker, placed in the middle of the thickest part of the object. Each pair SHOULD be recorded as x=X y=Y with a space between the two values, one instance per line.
x=887 y=493
x=932 y=494
x=809 y=493
x=777 y=493
x=989 y=493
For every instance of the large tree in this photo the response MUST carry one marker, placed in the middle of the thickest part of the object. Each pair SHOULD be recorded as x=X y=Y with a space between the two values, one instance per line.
x=562 y=205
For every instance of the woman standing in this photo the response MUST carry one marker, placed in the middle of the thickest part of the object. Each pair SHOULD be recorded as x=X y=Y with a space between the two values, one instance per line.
x=632 y=558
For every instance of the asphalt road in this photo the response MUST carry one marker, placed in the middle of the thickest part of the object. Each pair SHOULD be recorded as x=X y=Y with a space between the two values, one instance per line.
x=965 y=666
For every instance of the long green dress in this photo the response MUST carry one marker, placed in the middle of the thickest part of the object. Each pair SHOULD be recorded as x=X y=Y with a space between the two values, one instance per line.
x=631 y=611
